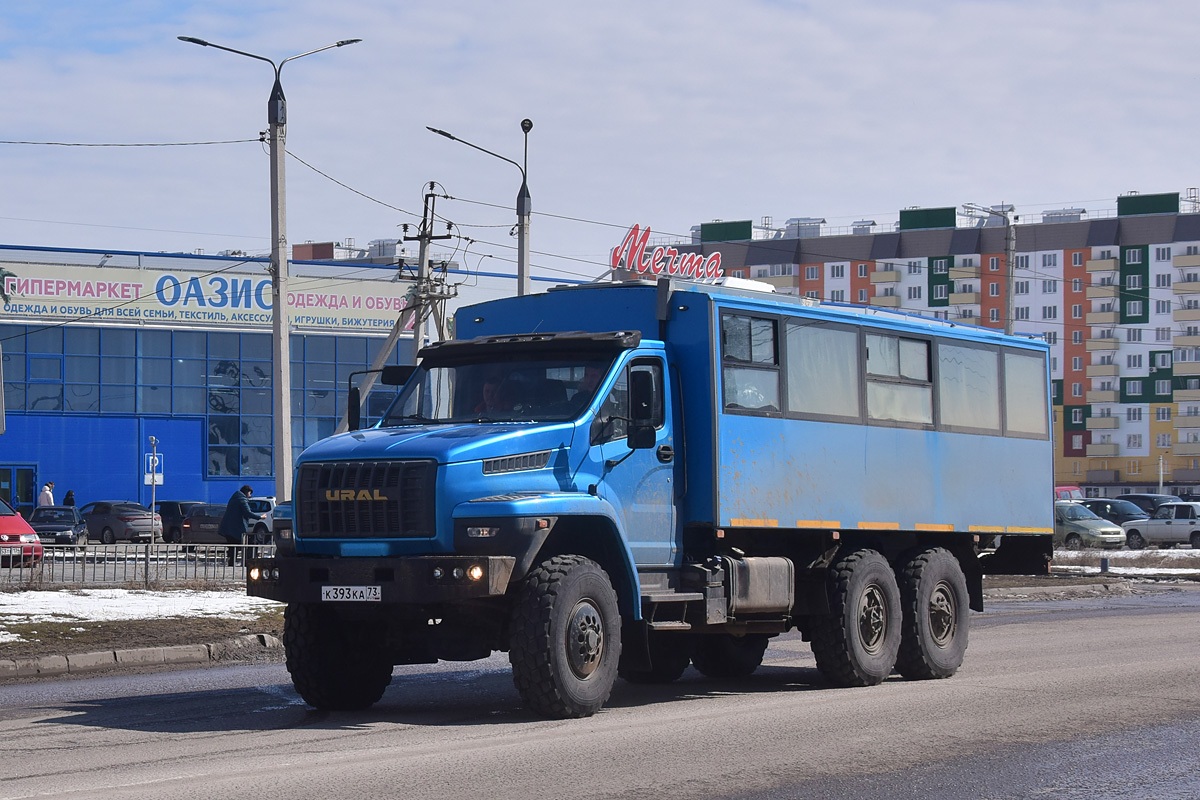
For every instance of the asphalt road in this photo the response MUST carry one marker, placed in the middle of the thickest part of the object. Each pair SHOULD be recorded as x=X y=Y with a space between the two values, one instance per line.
x=1094 y=698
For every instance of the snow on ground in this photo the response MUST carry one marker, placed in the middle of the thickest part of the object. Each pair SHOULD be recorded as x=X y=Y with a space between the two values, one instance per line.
x=1129 y=563
x=114 y=605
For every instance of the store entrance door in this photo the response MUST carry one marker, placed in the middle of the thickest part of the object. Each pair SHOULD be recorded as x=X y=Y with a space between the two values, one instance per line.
x=18 y=486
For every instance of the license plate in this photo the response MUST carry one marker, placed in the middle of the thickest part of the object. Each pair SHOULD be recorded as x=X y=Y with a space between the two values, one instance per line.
x=352 y=594
x=16 y=551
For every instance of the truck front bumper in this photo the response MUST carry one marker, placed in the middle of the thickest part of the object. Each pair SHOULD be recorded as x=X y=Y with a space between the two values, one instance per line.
x=419 y=580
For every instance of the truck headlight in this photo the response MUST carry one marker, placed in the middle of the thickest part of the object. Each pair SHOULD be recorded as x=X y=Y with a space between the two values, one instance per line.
x=483 y=531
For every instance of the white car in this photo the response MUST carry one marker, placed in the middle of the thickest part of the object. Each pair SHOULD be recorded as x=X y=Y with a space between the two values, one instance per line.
x=264 y=506
x=1169 y=525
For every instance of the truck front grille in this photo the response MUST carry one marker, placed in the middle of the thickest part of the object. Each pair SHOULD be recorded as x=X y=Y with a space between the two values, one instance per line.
x=365 y=500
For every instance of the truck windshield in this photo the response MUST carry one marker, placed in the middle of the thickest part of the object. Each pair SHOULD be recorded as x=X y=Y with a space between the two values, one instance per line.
x=530 y=390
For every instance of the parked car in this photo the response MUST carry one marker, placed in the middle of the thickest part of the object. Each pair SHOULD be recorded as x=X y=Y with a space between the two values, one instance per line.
x=109 y=521
x=281 y=528
x=1075 y=526
x=1068 y=493
x=61 y=525
x=260 y=531
x=1171 y=524
x=201 y=524
x=172 y=513
x=1113 y=510
x=18 y=542
x=1149 y=502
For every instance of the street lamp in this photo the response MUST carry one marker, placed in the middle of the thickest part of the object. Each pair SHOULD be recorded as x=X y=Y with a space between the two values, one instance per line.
x=281 y=355
x=524 y=203
x=1010 y=248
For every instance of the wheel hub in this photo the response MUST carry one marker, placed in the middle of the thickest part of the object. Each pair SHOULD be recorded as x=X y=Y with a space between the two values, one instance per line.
x=872 y=619
x=585 y=638
x=943 y=614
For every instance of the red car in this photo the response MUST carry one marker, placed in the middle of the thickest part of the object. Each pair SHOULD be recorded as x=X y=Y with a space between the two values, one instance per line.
x=18 y=542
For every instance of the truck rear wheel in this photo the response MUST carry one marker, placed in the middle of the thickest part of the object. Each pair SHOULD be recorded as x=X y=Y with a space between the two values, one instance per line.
x=566 y=638
x=933 y=638
x=332 y=668
x=670 y=654
x=856 y=645
x=726 y=657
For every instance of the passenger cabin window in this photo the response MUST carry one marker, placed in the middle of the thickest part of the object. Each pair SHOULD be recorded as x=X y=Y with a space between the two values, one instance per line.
x=839 y=372
x=898 y=385
x=1025 y=395
x=822 y=370
x=750 y=373
x=969 y=387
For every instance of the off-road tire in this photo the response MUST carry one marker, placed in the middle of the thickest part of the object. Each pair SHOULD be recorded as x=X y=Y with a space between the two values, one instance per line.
x=727 y=657
x=670 y=654
x=1135 y=540
x=107 y=536
x=857 y=643
x=933 y=635
x=331 y=669
x=565 y=638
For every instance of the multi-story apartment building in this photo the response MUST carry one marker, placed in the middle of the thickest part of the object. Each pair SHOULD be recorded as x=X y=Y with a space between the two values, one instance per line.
x=1118 y=297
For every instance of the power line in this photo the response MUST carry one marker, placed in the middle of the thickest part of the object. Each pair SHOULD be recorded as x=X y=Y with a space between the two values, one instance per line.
x=130 y=144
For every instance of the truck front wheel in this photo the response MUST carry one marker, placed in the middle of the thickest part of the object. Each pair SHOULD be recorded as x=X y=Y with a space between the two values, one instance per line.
x=333 y=667
x=933 y=639
x=565 y=638
x=856 y=645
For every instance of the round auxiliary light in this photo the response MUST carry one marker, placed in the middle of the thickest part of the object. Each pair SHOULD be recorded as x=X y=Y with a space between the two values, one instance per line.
x=458 y=573
x=475 y=572
x=254 y=573
x=438 y=573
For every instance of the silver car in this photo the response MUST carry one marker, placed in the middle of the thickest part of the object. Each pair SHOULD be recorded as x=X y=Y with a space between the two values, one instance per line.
x=1169 y=525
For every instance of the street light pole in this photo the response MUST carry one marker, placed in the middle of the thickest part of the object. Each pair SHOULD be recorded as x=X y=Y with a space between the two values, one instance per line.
x=524 y=203
x=281 y=357
x=1010 y=254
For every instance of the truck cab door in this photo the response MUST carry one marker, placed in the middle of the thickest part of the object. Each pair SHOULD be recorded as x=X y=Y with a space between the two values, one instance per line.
x=639 y=481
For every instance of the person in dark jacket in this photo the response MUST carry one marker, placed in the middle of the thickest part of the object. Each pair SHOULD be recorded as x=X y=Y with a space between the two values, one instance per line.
x=69 y=500
x=237 y=516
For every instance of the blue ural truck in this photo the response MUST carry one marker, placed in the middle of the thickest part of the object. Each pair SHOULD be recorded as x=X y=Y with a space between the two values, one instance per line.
x=625 y=479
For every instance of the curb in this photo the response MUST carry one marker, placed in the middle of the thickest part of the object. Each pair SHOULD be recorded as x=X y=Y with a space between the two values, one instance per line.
x=46 y=666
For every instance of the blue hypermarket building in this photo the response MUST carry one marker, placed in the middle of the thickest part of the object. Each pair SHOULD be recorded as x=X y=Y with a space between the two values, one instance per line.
x=104 y=349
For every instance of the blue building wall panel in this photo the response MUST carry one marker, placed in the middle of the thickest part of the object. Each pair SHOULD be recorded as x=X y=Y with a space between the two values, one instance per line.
x=103 y=457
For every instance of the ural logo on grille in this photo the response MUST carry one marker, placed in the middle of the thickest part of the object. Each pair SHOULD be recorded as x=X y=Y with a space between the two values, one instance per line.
x=350 y=494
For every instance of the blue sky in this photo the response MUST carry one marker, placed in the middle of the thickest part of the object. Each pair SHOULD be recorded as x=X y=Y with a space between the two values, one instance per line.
x=663 y=113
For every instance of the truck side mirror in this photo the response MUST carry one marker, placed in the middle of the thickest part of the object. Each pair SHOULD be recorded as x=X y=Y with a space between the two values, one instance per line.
x=353 y=409
x=643 y=402
x=397 y=375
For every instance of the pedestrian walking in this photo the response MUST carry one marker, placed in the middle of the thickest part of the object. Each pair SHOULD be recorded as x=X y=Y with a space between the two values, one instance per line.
x=69 y=499
x=46 y=498
x=237 y=516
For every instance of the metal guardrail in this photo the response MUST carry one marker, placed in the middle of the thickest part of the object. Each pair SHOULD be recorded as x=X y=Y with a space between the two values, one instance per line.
x=133 y=566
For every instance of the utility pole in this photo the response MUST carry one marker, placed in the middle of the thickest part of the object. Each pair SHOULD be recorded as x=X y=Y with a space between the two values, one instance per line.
x=1010 y=254
x=425 y=298
x=281 y=359
x=524 y=203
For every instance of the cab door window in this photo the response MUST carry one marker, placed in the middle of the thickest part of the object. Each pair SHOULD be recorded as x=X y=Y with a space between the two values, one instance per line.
x=612 y=423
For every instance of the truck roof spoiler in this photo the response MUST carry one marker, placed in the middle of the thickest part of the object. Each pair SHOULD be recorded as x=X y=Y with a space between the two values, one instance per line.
x=569 y=341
